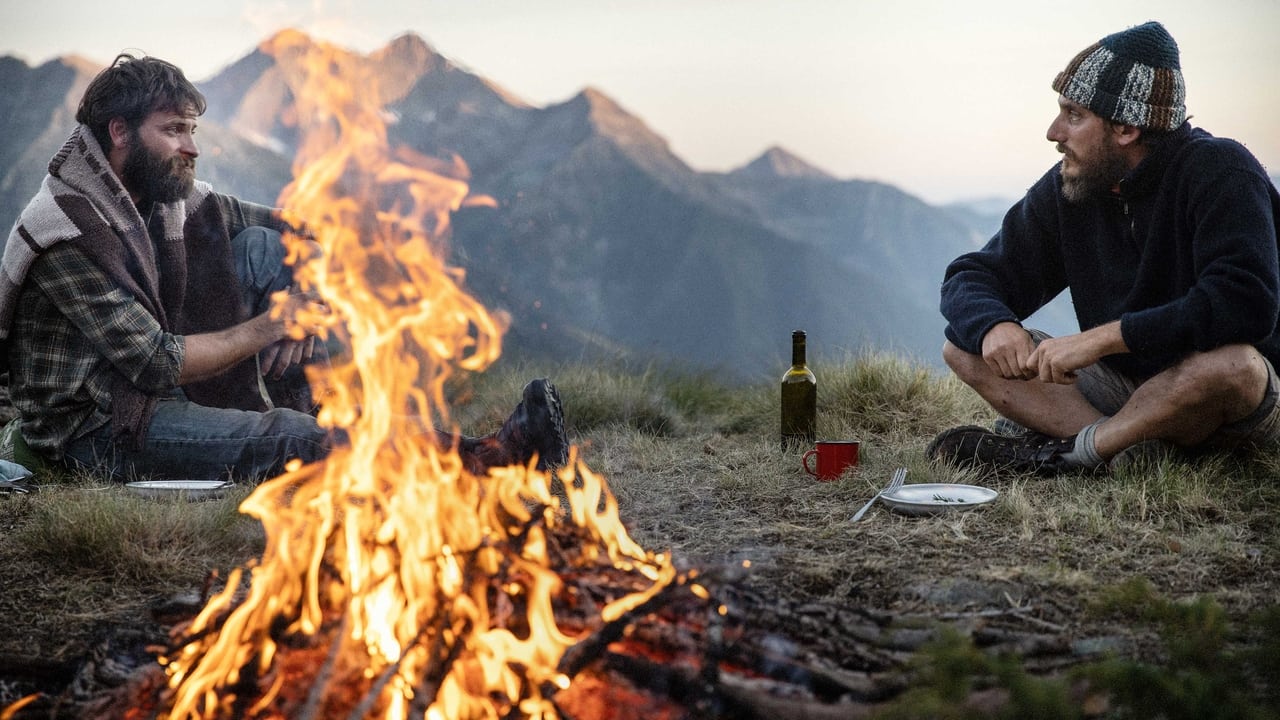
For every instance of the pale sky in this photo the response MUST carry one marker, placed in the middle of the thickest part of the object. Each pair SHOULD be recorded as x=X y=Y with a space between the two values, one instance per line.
x=947 y=100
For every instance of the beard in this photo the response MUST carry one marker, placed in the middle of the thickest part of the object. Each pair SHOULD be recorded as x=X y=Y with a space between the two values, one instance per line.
x=154 y=178
x=1094 y=175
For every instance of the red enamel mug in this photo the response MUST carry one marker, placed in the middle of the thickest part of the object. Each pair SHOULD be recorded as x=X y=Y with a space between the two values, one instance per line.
x=834 y=457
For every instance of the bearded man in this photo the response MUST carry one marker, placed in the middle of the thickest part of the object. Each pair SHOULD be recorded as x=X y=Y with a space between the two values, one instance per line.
x=134 y=309
x=1167 y=239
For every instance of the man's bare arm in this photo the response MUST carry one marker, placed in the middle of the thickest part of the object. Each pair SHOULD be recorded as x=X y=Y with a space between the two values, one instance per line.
x=210 y=354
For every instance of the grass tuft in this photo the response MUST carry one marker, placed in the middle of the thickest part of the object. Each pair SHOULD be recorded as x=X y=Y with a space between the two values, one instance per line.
x=879 y=395
x=1206 y=671
x=101 y=529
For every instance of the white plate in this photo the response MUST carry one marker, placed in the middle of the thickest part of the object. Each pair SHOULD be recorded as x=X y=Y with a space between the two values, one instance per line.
x=193 y=489
x=931 y=498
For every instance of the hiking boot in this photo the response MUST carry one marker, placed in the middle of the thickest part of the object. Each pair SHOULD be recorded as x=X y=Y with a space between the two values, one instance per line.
x=1005 y=426
x=540 y=429
x=980 y=448
x=535 y=428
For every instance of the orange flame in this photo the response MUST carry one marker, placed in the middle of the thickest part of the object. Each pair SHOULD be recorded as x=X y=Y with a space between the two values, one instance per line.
x=390 y=545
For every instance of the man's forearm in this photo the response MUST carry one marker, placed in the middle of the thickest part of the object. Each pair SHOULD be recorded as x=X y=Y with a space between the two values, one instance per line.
x=1107 y=339
x=210 y=354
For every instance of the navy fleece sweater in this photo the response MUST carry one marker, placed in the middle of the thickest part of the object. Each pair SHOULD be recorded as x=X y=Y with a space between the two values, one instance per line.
x=1185 y=257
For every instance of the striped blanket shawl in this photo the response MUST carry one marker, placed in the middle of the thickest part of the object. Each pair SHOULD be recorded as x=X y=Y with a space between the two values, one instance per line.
x=185 y=278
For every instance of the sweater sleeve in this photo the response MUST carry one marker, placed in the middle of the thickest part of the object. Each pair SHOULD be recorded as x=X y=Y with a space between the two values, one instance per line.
x=240 y=214
x=1235 y=296
x=1016 y=273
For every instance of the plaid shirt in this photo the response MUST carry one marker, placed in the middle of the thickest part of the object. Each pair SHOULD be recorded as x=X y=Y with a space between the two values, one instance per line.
x=74 y=324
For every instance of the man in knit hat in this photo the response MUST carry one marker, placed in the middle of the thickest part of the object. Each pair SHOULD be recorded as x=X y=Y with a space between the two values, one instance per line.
x=134 y=306
x=1167 y=239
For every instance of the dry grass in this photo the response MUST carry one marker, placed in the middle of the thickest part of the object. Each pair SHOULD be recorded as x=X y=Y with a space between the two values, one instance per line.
x=82 y=555
x=697 y=469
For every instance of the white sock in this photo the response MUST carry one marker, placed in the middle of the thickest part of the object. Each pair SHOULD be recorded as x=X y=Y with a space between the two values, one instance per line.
x=1085 y=453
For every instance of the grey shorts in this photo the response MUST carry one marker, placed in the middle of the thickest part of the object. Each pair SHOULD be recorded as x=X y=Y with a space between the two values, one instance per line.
x=1109 y=390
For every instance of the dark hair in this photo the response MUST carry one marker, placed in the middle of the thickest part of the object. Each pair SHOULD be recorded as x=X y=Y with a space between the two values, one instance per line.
x=133 y=88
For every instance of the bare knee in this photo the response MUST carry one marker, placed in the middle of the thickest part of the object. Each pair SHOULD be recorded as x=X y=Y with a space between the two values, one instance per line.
x=968 y=367
x=1233 y=377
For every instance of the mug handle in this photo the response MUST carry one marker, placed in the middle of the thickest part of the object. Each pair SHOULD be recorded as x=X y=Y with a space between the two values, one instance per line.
x=805 y=461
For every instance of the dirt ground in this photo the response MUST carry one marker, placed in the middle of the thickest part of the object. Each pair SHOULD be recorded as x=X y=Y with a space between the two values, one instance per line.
x=850 y=604
x=1059 y=572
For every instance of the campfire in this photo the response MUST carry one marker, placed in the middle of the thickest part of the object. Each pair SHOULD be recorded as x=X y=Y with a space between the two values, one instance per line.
x=394 y=583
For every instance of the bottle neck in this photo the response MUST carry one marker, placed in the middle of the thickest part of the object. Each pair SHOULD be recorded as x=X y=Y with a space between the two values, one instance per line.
x=797 y=352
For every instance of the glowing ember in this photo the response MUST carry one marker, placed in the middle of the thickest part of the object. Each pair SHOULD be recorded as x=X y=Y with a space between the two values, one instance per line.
x=429 y=589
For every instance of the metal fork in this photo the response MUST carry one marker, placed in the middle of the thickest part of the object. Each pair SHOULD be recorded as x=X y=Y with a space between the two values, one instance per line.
x=899 y=477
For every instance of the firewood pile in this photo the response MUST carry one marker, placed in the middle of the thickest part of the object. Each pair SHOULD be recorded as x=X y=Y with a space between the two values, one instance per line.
x=705 y=647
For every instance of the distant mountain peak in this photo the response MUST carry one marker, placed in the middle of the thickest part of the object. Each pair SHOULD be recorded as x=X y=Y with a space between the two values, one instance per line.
x=613 y=120
x=287 y=36
x=407 y=50
x=410 y=42
x=779 y=162
x=408 y=58
x=598 y=101
x=411 y=51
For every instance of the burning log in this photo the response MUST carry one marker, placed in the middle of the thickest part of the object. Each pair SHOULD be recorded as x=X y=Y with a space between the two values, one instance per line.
x=723 y=653
x=677 y=655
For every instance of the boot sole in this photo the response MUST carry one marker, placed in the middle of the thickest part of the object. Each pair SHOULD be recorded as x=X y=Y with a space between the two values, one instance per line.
x=544 y=410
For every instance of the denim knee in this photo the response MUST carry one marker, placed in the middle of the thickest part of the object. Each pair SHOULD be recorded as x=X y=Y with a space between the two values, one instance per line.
x=259 y=253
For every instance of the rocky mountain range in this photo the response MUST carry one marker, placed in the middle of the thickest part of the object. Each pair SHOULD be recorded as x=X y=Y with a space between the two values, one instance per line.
x=602 y=244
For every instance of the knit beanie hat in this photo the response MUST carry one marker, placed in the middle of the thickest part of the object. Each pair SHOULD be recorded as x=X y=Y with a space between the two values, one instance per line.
x=1131 y=77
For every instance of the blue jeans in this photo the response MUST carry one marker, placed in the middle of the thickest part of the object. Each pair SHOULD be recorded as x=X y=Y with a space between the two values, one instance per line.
x=186 y=441
x=259 y=255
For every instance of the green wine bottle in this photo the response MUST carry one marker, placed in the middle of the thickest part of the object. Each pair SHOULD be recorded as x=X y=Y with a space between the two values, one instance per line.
x=799 y=399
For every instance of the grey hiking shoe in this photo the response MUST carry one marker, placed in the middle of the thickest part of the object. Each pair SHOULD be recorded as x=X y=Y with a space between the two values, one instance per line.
x=980 y=448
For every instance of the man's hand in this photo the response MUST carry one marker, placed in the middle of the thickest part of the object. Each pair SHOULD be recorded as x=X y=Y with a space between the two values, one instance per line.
x=281 y=355
x=285 y=328
x=1006 y=348
x=1056 y=360
x=301 y=313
